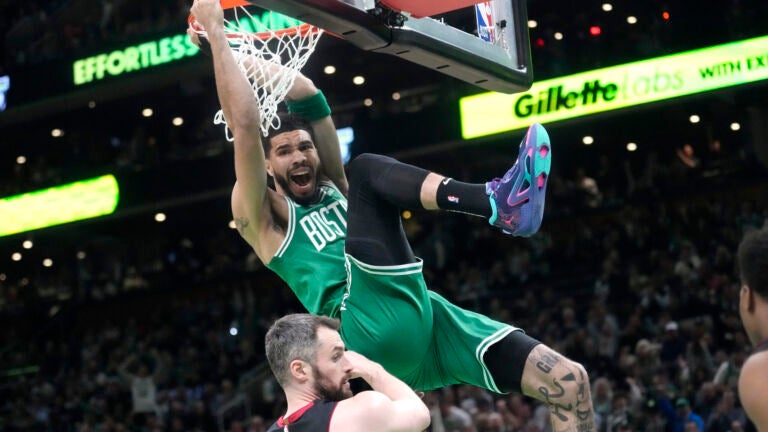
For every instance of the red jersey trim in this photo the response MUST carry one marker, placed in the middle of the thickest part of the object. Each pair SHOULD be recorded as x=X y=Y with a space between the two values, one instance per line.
x=293 y=418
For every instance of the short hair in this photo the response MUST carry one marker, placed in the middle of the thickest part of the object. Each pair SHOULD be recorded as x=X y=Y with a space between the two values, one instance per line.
x=294 y=337
x=288 y=123
x=753 y=261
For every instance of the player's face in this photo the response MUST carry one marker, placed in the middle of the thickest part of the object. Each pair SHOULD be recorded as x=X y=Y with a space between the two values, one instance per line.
x=294 y=164
x=332 y=370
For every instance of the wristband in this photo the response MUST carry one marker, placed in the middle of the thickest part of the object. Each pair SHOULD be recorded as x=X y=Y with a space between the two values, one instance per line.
x=310 y=108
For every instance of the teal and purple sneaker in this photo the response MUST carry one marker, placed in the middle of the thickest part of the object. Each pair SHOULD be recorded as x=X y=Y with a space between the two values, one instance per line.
x=517 y=199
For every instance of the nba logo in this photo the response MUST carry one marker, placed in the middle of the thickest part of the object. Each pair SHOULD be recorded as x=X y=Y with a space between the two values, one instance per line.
x=485 y=21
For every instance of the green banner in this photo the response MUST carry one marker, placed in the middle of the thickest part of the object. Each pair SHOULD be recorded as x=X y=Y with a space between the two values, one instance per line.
x=616 y=87
x=165 y=50
x=133 y=58
x=58 y=205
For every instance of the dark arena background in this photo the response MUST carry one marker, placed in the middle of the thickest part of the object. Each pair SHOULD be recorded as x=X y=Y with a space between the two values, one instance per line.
x=632 y=274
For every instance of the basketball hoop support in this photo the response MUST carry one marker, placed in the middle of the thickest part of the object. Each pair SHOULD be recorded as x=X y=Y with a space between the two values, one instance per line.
x=425 y=41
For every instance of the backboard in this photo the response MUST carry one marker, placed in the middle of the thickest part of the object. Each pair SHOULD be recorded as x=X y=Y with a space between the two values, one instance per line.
x=497 y=58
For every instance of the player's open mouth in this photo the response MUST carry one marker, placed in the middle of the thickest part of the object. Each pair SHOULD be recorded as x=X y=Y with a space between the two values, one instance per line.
x=301 y=178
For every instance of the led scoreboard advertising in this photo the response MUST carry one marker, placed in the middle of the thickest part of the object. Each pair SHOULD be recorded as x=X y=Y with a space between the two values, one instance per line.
x=616 y=87
x=56 y=83
x=154 y=53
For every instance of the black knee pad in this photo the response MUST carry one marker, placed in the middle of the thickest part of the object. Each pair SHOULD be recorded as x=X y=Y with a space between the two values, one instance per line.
x=388 y=179
x=366 y=164
x=506 y=358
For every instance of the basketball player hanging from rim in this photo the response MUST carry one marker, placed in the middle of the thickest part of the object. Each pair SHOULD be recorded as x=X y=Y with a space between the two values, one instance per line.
x=339 y=243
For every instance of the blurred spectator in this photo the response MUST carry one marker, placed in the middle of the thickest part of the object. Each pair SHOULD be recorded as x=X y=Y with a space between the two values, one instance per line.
x=727 y=374
x=673 y=347
x=257 y=425
x=681 y=417
x=706 y=400
x=620 y=417
x=454 y=419
x=602 y=398
x=143 y=385
x=726 y=414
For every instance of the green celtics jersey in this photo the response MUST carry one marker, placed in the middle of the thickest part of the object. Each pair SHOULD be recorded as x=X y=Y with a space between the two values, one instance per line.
x=311 y=258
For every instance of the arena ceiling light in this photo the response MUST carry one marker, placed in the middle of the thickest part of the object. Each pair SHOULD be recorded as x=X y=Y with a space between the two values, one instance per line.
x=57 y=133
x=178 y=121
x=147 y=112
x=329 y=70
x=532 y=24
x=21 y=159
x=558 y=36
x=358 y=80
x=368 y=102
x=27 y=244
x=16 y=256
x=588 y=140
x=735 y=126
x=607 y=7
x=694 y=118
x=47 y=262
x=631 y=147
x=632 y=19
x=160 y=217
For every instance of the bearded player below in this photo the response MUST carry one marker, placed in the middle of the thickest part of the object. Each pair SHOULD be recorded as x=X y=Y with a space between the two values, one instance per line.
x=311 y=364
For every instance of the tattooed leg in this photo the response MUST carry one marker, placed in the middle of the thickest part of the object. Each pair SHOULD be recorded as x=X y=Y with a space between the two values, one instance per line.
x=563 y=385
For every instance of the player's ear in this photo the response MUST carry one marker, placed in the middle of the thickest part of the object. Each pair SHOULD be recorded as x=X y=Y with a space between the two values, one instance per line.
x=300 y=370
x=750 y=297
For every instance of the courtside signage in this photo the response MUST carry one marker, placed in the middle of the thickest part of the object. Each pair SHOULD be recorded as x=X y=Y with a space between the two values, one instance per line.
x=616 y=87
x=165 y=50
x=58 y=205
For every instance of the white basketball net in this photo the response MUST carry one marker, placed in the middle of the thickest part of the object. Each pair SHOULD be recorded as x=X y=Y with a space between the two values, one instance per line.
x=269 y=59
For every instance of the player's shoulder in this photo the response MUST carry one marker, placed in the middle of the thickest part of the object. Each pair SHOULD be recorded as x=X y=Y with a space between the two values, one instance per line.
x=754 y=374
x=756 y=364
x=364 y=401
x=752 y=384
x=362 y=409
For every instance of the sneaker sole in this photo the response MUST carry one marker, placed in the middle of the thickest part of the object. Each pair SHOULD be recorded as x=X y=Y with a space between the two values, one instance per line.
x=537 y=157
